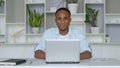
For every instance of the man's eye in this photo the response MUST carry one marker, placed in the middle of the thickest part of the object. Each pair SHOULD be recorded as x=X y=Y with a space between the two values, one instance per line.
x=59 y=18
x=66 y=18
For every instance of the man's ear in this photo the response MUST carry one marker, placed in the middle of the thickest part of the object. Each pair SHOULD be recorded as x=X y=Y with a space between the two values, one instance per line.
x=70 y=19
x=55 y=20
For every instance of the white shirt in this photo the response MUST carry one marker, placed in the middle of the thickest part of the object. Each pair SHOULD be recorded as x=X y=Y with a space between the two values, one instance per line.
x=63 y=37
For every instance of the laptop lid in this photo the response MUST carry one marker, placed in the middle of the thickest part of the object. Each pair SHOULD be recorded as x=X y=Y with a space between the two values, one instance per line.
x=62 y=50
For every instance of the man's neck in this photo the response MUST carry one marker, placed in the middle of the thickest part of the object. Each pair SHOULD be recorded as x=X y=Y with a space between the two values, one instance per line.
x=64 y=32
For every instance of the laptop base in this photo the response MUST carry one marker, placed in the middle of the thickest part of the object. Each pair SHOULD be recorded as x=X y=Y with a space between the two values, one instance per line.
x=62 y=62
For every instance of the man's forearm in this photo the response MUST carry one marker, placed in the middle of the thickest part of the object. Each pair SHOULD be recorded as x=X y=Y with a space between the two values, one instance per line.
x=39 y=54
x=85 y=55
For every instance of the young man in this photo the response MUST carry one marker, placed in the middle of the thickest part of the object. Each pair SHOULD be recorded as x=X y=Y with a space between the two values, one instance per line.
x=63 y=19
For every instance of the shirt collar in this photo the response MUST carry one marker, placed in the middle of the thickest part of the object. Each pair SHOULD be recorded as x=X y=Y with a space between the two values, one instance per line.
x=69 y=33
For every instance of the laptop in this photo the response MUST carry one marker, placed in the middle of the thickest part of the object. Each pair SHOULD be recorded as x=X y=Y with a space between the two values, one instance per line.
x=62 y=50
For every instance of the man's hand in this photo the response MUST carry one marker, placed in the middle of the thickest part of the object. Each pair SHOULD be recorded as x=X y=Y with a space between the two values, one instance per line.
x=85 y=55
x=39 y=54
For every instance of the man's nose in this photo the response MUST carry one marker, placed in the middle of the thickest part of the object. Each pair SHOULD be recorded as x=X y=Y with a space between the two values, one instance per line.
x=62 y=21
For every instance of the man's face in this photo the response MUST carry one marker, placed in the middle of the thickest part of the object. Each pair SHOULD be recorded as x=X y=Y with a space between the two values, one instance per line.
x=62 y=20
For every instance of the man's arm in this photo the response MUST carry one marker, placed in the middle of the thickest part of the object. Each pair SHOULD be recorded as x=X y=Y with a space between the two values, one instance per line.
x=85 y=55
x=39 y=54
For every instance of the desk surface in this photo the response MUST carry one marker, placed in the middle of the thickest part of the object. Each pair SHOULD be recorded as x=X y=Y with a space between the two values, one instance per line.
x=89 y=63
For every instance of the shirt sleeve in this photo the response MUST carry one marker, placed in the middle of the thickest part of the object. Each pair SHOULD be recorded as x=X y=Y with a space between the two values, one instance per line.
x=84 y=46
x=41 y=45
x=47 y=34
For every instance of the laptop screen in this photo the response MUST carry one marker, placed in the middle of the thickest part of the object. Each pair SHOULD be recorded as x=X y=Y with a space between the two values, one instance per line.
x=62 y=50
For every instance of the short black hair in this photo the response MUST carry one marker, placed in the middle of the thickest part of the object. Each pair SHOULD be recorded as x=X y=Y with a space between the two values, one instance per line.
x=63 y=8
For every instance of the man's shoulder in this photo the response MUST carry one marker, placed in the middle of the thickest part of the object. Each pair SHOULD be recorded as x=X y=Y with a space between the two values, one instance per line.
x=76 y=32
x=50 y=30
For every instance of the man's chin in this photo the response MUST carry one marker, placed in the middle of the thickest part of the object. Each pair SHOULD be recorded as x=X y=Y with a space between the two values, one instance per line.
x=63 y=29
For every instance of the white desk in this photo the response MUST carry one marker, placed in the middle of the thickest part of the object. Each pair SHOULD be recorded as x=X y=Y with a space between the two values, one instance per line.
x=89 y=63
